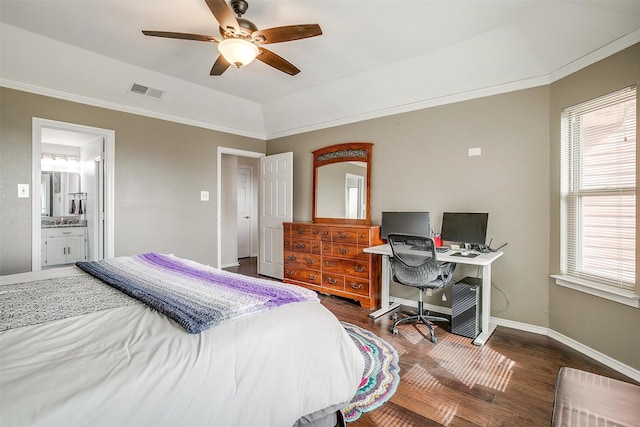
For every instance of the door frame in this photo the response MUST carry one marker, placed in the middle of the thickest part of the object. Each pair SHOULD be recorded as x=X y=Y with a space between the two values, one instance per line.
x=109 y=171
x=233 y=152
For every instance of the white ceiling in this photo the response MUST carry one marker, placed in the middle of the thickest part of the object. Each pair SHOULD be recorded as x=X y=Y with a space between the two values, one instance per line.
x=374 y=58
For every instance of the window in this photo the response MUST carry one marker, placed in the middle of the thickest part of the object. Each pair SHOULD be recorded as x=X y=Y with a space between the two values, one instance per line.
x=598 y=192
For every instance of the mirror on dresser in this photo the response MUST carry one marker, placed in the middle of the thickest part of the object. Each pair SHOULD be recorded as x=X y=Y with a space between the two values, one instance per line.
x=341 y=183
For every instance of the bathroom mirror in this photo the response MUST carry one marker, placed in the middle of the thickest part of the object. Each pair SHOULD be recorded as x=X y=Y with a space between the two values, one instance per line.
x=341 y=183
x=57 y=190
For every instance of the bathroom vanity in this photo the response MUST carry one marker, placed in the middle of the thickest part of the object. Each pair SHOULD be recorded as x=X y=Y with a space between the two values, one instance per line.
x=63 y=243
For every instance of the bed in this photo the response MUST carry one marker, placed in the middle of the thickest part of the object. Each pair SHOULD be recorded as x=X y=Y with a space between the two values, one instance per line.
x=76 y=351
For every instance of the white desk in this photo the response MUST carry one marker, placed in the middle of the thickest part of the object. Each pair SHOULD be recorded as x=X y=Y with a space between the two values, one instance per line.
x=483 y=260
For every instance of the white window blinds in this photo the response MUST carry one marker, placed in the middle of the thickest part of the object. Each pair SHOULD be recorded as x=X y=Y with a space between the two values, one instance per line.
x=598 y=190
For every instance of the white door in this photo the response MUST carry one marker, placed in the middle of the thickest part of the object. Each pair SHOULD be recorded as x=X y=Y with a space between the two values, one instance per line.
x=245 y=196
x=276 y=207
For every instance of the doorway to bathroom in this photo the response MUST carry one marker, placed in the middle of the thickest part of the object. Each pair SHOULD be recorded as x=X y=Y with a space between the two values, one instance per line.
x=73 y=186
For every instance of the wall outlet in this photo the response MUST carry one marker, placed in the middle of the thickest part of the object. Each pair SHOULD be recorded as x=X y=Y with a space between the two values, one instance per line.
x=23 y=190
x=204 y=196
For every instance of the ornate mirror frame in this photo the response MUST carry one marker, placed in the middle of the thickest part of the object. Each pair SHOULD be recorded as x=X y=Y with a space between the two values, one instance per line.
x=347 y=152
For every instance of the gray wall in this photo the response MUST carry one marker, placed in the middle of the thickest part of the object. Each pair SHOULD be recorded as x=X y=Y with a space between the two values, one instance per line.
x=420 y=162
x=160 y=169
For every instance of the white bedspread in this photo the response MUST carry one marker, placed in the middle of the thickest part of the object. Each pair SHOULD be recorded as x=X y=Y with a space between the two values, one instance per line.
x=132 y=366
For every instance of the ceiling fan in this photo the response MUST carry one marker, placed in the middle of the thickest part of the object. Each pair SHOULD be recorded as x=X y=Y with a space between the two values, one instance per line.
x=241 y=41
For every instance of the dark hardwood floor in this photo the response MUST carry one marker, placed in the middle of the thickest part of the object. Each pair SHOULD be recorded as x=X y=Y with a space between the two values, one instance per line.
x=507 y=382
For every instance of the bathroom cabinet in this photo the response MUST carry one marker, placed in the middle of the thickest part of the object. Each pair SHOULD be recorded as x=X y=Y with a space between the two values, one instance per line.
x=64 y=245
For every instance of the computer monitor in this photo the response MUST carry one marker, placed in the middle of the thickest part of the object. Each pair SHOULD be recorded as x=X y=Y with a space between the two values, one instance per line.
x=414 y=223
x=464 y=227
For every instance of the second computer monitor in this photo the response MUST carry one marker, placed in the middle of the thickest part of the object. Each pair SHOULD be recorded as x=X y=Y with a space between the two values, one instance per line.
x=414 y=223
x=464 y=227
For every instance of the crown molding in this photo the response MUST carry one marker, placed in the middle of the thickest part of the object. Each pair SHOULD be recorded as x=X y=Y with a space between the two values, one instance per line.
x=595 y=56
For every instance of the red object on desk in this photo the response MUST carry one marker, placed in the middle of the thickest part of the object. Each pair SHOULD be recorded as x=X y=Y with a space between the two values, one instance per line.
x=438 y=241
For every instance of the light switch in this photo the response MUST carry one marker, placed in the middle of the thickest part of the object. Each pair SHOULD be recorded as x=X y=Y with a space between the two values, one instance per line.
x=204 y=196
x=475 y=151
x=23 y=190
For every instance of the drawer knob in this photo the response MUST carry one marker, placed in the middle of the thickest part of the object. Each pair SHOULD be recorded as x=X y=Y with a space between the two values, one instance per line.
x=300 y=245
x=292 y=257
x=356 y=286
x=329 y=264
x=344 y=250
x=310 y=260
x=313 y=276
x=332 y=281
x=359 y=269
x=343 y=235
x=289 y=271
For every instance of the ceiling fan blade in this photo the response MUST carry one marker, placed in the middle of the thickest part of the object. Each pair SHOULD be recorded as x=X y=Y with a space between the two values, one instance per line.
x=223 y=13
x=286 y=33
x=277 y=62
x=219 y=67
x=183 y=36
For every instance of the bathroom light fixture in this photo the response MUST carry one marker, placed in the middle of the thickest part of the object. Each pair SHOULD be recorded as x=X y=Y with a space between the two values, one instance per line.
x=238 y=52
x=59 y=163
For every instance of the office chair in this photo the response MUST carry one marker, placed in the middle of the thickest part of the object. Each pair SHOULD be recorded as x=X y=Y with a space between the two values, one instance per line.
x=414 y=264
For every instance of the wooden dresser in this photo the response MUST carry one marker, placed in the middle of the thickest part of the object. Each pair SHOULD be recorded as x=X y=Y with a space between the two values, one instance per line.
x=329 y=258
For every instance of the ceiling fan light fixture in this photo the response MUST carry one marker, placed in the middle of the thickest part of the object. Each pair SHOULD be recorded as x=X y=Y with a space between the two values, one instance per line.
x=238 y=52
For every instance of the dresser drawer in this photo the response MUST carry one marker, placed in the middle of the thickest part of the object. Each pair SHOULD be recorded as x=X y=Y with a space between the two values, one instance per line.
x=346 y=266
x=356 y=285
x=303 y=231
x=364 y=237
x=321 y=232
x=342 y=250
x=344 y=235
x=305 y=245
x=302 y=275
x=326 y=248
x=302 y=259
x=333 y=281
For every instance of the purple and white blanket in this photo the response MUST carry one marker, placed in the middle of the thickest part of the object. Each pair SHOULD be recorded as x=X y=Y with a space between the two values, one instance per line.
x=196 y=296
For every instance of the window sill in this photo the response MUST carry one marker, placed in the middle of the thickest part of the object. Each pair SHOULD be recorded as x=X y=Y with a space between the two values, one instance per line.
x=617 y=295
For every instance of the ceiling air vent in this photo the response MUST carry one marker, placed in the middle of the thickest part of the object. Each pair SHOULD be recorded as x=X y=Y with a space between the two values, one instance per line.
x=146 y=90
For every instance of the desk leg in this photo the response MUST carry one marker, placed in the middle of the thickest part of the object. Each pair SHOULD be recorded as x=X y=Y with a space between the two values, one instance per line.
x=485 y=310
x=385 y=305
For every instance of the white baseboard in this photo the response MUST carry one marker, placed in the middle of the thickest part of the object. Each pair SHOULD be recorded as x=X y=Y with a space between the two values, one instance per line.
x=585 y=350
x=570 y=342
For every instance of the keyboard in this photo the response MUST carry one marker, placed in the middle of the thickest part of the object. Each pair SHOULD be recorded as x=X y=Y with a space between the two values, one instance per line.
x=442 y=250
